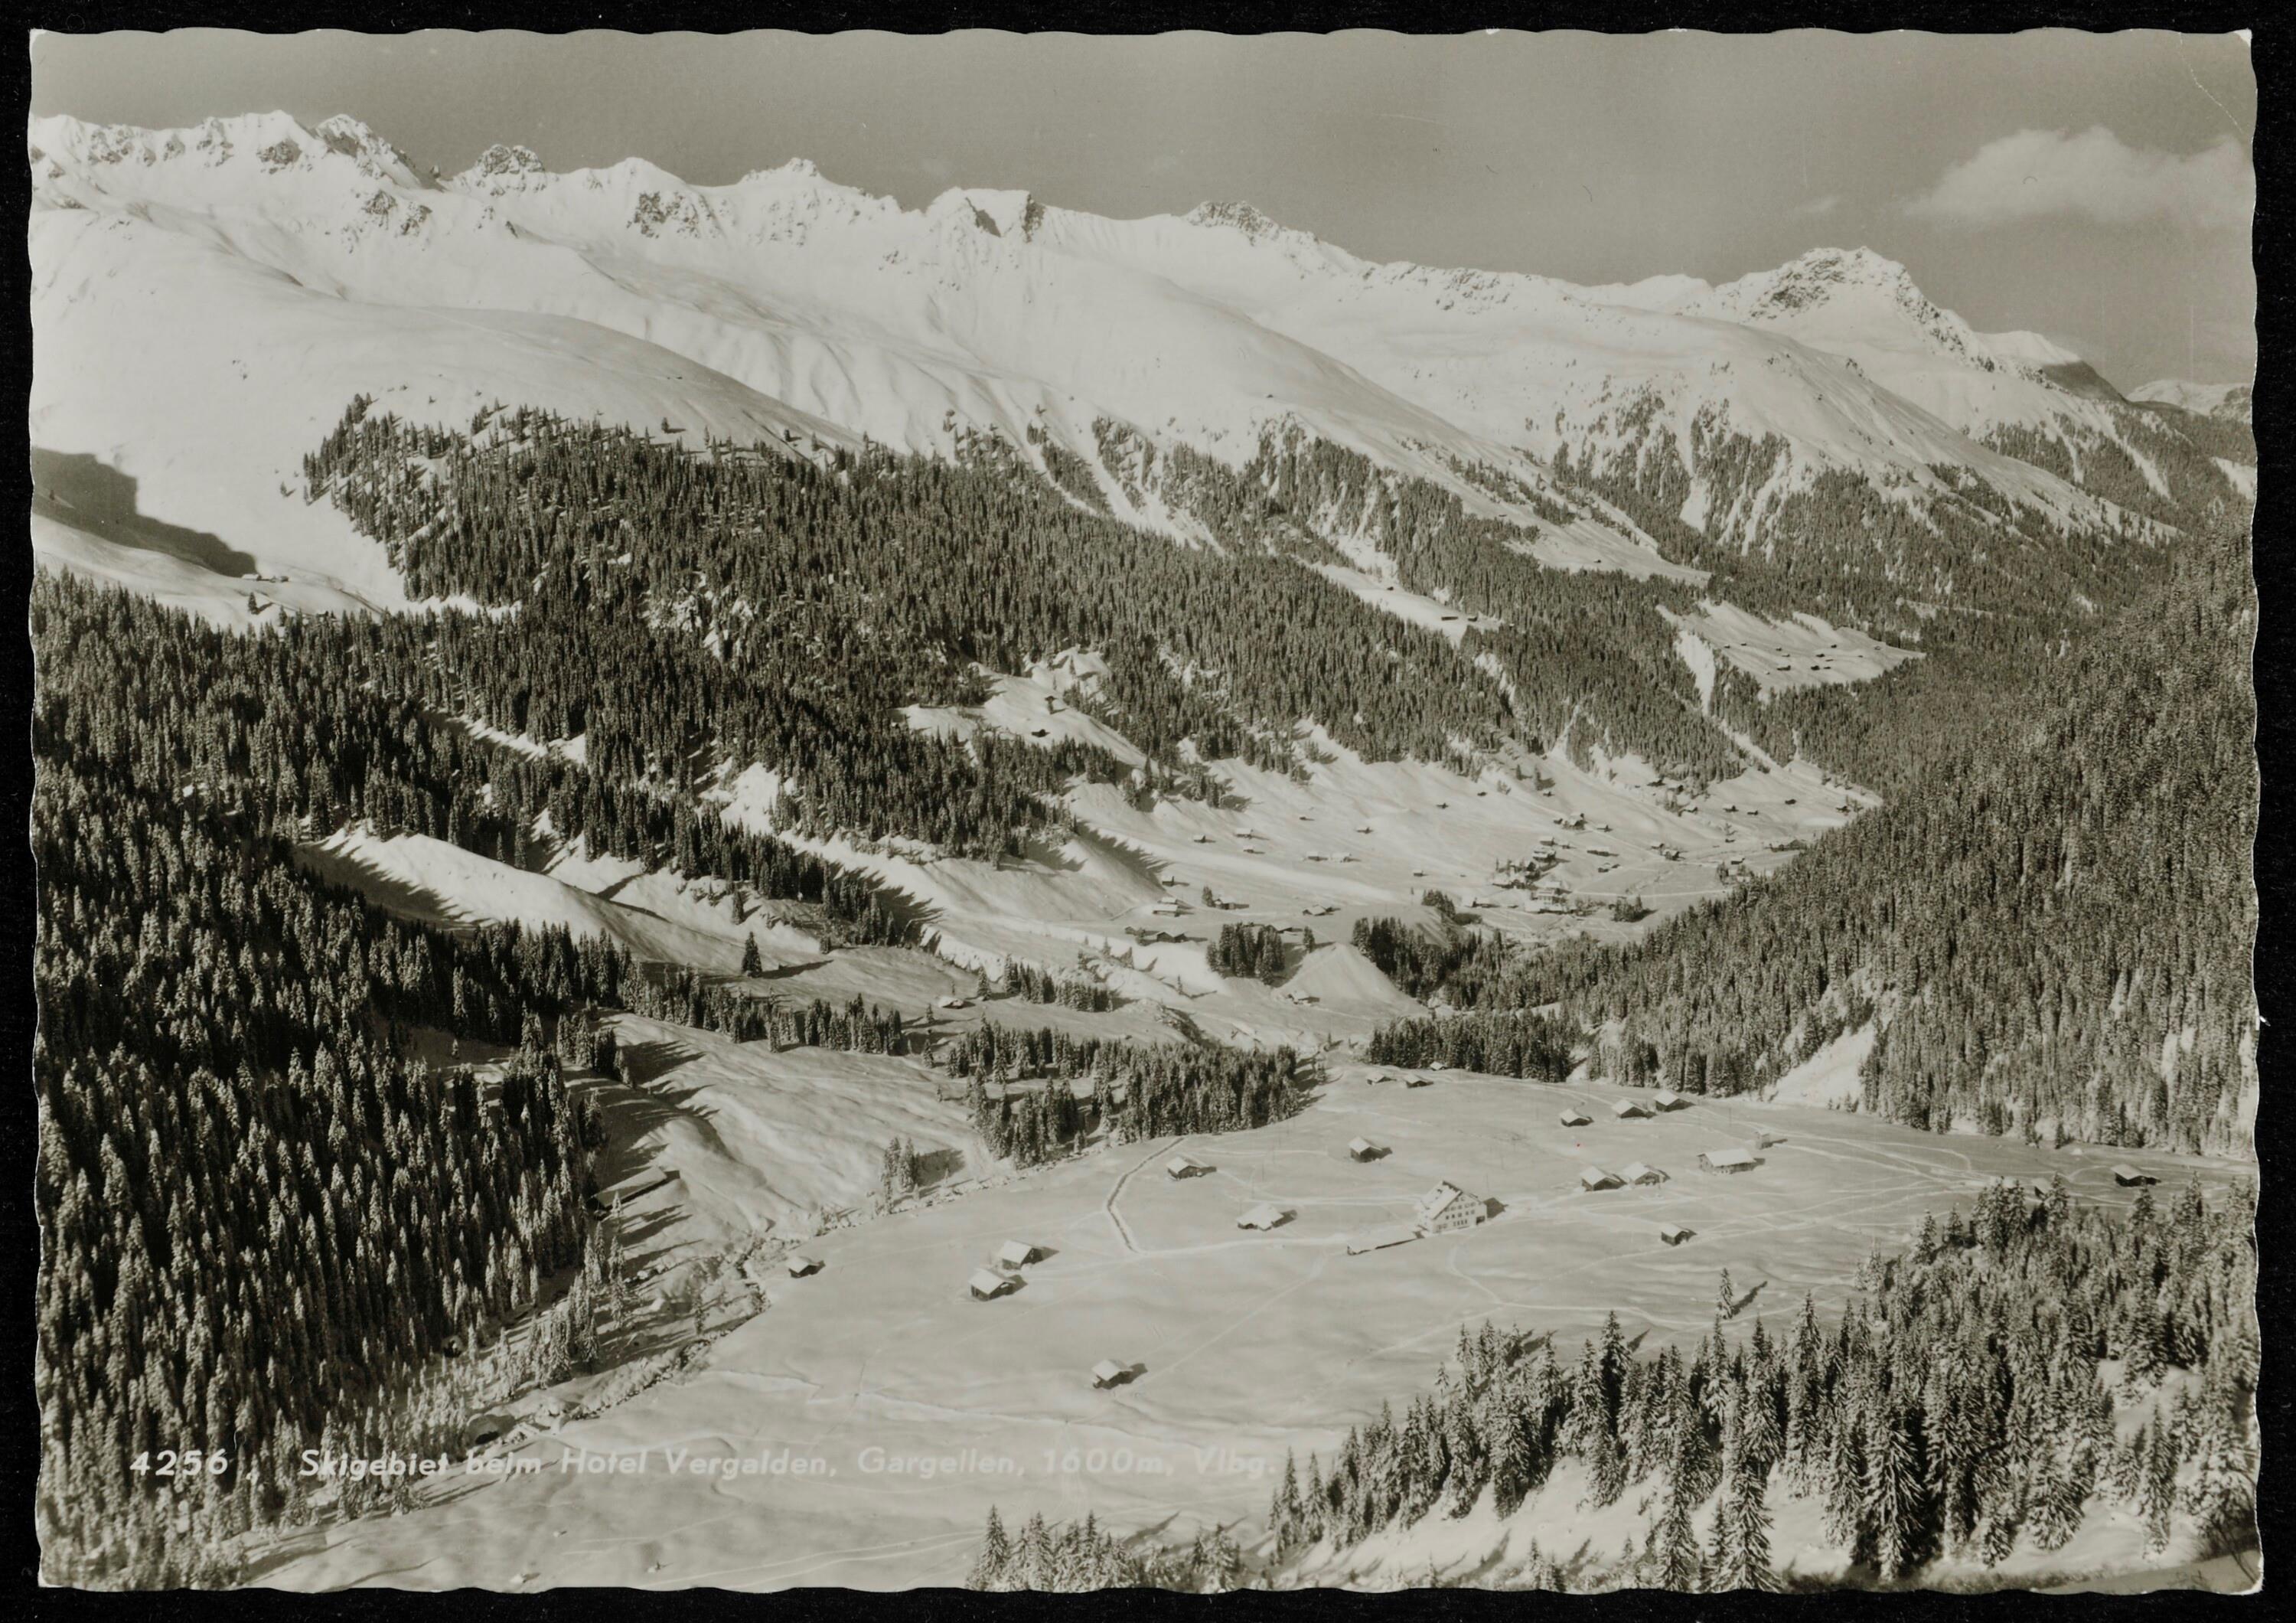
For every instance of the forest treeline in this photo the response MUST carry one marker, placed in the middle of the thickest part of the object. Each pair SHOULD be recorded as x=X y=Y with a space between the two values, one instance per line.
x=1450 y=961
x=261 y=1216
x=1587 y=658
x=1986 y=589
x=686 y=612
x=323 y=721
x=256 y=1209
x=1139 y=1090
x=2053 y=930
x=1984 y=1392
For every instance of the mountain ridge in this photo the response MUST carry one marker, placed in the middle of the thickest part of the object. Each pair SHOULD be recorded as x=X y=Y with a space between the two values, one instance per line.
x=904 y=325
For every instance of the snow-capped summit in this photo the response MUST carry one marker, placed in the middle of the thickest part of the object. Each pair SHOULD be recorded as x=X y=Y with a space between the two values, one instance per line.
x=1853 y=296
x=499 y=165
x=789 y=299
x=1238 y=216
x=2032 y=349
x=233 y=150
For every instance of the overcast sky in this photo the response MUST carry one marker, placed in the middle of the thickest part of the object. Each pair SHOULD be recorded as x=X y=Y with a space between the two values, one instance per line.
x=2095 y=188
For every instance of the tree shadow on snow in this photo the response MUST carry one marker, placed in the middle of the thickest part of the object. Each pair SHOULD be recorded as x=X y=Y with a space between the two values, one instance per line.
x=88 y=495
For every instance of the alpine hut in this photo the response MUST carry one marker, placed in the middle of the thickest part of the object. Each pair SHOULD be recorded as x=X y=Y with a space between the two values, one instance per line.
x=1733 y=1159
x=1595 y=1177
x=1447 y=1207
x=987 y=1284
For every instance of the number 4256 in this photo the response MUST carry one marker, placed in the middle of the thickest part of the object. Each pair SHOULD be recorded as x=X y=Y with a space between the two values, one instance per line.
x=190 y=1463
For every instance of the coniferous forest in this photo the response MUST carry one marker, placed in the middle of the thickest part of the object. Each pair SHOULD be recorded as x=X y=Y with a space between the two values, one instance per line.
x=268 y=1220
x=257 y=1209
x=1139 y=1090
x=1983 y=1392
x=2053 y=926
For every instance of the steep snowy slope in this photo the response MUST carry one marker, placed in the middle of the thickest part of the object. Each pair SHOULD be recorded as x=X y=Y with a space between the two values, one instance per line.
x=1605 y=376
x=205 y=376
x=1092 y=342
x=2001 y=388
x=910 y=329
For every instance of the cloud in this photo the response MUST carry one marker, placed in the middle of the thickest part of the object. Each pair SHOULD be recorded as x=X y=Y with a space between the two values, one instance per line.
x=2037 y=174
x=1815 y=208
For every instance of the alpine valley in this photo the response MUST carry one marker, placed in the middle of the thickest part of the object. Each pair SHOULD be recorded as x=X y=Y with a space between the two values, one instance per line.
x=662 y=808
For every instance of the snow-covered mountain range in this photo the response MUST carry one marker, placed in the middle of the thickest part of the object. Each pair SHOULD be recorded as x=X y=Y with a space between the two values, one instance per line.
x=2230 y=402
x=207 y=300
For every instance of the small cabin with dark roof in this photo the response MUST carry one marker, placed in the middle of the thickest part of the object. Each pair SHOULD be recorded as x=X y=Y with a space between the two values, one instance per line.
x=987 y=1284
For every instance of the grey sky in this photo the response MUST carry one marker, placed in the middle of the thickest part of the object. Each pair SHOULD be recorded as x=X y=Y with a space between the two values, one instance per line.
x=1977 y=162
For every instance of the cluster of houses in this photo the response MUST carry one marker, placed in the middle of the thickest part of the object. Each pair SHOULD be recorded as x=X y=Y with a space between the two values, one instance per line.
x=1725 y=1158
x=1004 y=1277
x=1633 y=1172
